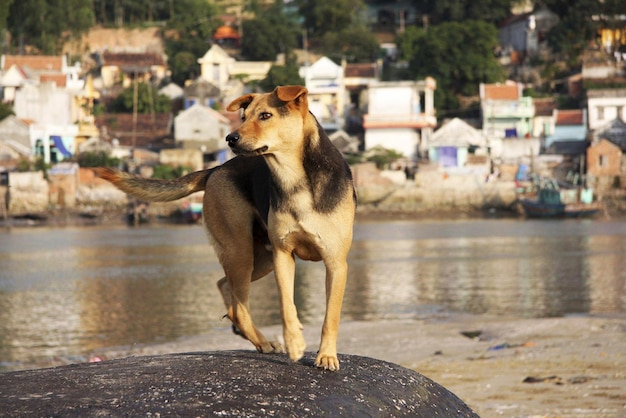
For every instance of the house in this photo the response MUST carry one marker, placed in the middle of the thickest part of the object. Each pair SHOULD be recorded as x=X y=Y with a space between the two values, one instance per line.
x=606 y=155
x=11 y=152
x=200 y=91
x=543 y=122
x=523 y=34
x=127 y=133
x=605 y=105
x=451 y=144
x=356 y=79
x=505 y=112
x=327 y=94
x=18 y=70
x=569 y=125
x=217 y=67
x=203 y=128
x=604 y=159
x=400 y=116
x=121 y=68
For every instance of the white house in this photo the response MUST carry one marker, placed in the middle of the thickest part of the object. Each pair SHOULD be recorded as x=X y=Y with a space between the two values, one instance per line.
x=605 y=105
x=327 y=93
x=217 y=67
x=200 y=127
x=451 y=144
x=400 y=116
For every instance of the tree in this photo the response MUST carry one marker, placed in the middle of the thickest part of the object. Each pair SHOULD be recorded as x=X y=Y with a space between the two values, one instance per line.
x=148 y=100
x=444 y=53
x=5 y=110
x=47 y=24
x=323 y=16
x=579 y=21
x=272 y=32
x=355 y=43
x=280 y=75
x=189 y=30
x=440 y=11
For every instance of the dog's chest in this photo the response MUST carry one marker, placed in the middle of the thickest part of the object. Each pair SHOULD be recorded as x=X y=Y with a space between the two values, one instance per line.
x=296 y=232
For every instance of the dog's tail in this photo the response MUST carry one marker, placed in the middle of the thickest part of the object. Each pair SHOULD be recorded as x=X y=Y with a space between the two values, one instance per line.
x=155 y=190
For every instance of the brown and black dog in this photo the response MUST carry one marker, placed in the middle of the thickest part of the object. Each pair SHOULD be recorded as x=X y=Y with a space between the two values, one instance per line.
x=288 y=193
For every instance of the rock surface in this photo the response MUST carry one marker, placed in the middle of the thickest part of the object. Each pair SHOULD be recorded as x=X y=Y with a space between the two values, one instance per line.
x=226 y=383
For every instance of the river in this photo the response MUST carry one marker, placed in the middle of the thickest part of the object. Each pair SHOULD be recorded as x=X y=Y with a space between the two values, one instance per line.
x=72 y=291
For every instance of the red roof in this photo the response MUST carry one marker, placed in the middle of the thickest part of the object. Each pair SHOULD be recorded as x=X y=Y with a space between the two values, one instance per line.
x=502 y=92
x=361 y=70
x=226 y=32
x=36 y=62
x=120 y=126
x=59 y=79
x=570 y=117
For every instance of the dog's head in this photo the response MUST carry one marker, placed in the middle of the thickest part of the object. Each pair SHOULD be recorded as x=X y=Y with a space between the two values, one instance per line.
x=271 y=122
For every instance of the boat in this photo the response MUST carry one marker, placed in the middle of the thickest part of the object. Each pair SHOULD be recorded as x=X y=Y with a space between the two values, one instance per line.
x=553 y=200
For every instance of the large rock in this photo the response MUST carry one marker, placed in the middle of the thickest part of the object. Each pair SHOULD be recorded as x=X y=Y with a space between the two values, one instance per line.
x=228 y=383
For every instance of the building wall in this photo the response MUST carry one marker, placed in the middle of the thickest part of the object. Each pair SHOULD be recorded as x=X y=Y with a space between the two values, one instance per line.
x=602 y=110
x=604 y=159
x=402 y=140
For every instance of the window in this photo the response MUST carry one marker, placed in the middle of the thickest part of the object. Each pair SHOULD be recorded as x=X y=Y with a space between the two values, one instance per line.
x=600 y=112
x=602 y=161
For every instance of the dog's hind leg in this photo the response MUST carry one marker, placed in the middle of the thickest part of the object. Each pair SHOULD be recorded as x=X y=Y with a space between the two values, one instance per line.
x=240 y=274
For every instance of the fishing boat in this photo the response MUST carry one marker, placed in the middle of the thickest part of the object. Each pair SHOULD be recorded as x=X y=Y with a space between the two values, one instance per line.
x=552 y=200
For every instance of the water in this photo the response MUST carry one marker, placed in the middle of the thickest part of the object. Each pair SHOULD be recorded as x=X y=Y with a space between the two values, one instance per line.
x=72 y=291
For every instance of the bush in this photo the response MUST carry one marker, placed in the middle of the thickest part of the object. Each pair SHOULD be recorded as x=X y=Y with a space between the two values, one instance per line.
x=167 y=172
x=97 y=159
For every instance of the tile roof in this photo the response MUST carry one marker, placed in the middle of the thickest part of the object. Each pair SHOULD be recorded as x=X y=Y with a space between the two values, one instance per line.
x=570 y=117
x=132 y=60
x=501 y=92
x=59 y=79
x=366 y=70
x=147 y=135
x=35 y=62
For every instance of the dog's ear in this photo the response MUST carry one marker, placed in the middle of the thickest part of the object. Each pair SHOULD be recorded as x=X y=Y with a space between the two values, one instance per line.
x=240 y=102
x=290 y=93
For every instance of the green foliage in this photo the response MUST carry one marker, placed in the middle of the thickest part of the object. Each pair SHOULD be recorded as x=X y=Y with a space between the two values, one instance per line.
x=148 y=100
x=440 y=11
x=280 y=75
x=444 y=52
x=272 y=32
x=167 y=172
x=355 y=43
x=47 y=24
x=189 y=30
x=382 y=157
x=5 y=110
x=97 y=159
x=324 y=16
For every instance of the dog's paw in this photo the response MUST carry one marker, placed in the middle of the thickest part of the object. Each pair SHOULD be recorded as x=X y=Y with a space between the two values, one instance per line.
x=327 y=362
x=271 y=347
x=295 y=346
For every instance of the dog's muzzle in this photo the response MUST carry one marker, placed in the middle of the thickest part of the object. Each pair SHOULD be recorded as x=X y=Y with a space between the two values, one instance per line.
x=233 y=138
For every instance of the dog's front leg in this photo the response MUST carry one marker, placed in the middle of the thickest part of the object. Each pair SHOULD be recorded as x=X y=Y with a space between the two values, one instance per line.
x=285 y=269
x=336 y=275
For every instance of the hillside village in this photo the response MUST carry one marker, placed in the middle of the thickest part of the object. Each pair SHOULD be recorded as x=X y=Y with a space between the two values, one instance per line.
x=441 y=163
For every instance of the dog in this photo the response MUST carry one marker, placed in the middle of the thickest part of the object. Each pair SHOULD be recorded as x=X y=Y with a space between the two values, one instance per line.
x=287 y=193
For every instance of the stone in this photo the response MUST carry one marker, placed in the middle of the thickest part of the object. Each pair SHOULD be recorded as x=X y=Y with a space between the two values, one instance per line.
x=226 y=384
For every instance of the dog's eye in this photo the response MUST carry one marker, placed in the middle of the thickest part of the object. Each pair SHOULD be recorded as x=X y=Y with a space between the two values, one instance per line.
x=265 y=115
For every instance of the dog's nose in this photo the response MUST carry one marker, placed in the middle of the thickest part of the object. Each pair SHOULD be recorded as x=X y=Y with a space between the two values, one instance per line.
x=232 y=138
